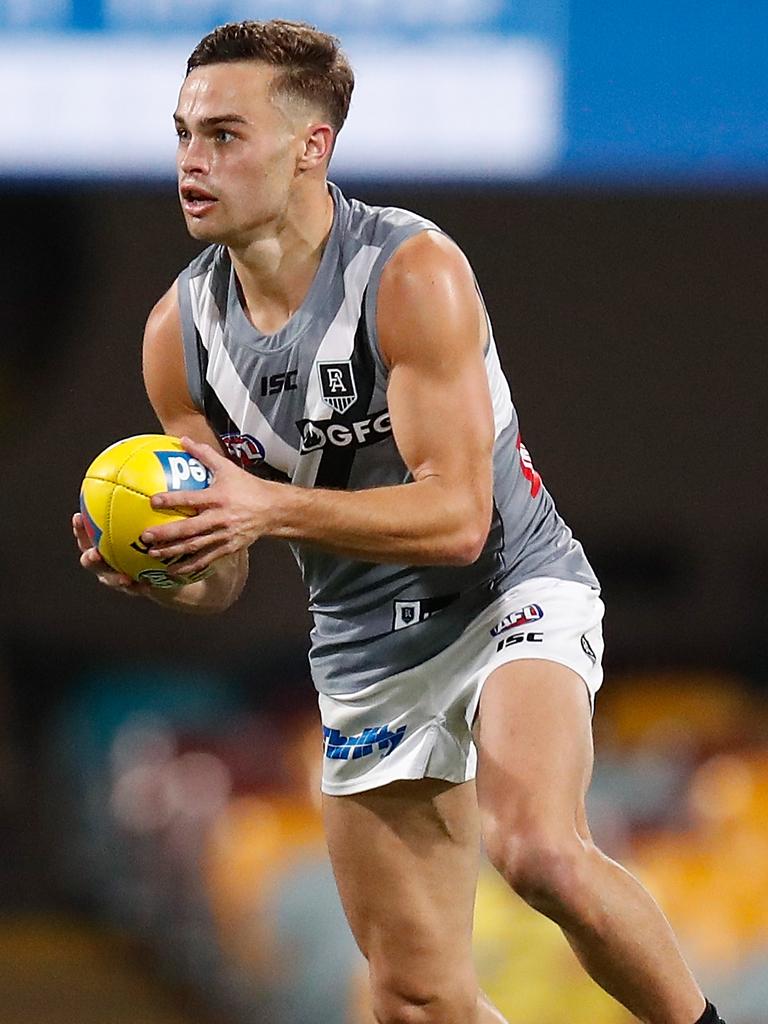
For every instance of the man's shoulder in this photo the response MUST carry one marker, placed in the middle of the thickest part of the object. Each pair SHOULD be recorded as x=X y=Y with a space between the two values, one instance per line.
x=376 y=225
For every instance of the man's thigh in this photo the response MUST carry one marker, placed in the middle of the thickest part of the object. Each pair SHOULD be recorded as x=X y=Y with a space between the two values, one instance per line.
x=406 y=860
x=533 y=734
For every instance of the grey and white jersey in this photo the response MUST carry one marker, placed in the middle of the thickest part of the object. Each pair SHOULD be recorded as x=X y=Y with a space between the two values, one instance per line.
x=308 y=405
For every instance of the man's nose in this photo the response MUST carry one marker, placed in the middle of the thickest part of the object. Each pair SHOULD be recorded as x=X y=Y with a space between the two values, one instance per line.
x=194 y=157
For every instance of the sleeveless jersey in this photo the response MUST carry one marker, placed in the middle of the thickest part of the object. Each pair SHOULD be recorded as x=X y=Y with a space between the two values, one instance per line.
x=308 y=406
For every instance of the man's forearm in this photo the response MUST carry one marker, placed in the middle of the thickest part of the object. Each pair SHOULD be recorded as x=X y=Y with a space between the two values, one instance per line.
x=420 y=523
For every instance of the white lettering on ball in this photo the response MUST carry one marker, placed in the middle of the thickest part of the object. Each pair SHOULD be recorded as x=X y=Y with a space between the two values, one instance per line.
x=180 y=471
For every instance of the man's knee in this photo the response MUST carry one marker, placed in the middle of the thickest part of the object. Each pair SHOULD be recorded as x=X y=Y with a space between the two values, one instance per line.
x=548 y=869
x=414 y=1003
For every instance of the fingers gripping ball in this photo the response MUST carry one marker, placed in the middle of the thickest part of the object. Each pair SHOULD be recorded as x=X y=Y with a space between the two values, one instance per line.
x=116 y=509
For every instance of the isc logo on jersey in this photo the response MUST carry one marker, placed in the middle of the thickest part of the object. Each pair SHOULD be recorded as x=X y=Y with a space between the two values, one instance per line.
x=316 y=434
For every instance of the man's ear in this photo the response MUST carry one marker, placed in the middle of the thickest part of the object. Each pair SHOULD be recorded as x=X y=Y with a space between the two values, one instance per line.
x=317 y=146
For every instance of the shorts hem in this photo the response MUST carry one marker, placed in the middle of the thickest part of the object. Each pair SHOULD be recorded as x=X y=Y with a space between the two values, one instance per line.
x=528 y=656
x=364 y=784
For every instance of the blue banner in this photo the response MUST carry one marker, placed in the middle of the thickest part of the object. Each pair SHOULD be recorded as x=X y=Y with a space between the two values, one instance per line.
x=413 y=19
x=643 y=91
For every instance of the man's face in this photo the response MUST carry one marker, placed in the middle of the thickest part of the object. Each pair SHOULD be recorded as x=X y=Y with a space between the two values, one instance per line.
x=237 y=153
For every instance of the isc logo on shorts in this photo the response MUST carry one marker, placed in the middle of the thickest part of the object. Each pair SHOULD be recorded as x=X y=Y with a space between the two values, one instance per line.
x=519 y=638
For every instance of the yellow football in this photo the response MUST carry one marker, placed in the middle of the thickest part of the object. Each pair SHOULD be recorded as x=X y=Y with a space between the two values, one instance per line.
x=115 y=502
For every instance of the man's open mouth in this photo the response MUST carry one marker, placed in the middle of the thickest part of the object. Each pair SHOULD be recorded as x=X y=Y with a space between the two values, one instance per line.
x=194 y=197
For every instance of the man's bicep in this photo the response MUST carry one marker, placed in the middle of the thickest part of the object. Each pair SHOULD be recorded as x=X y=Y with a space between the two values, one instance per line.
x=442 y=422
x=432 y=330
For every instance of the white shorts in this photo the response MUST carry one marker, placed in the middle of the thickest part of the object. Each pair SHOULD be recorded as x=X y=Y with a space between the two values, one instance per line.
x=418 y=724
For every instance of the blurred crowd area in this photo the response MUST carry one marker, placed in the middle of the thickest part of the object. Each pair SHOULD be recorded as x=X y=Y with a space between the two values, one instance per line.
x=183 y=836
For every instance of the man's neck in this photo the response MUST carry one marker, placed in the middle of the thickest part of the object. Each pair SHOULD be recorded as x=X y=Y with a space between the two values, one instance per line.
x=275 y=273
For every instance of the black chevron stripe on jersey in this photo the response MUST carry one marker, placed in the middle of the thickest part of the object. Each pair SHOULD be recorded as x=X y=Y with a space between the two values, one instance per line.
x=336 y=462
x=215 y=413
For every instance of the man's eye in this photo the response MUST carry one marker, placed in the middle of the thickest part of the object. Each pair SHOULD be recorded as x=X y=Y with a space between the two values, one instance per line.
x=224 y=136
x=182 y=134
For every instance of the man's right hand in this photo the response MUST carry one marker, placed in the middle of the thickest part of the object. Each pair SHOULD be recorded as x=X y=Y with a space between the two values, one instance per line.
x=91 y=560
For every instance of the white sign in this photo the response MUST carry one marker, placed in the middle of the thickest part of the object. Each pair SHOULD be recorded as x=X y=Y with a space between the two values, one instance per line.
x=99 y=105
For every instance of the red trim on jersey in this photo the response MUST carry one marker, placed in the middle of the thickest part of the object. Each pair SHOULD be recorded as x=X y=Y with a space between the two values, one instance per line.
x=526 y=464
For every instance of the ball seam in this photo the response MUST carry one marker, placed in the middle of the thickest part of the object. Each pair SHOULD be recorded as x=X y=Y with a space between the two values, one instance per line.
x=116 y=484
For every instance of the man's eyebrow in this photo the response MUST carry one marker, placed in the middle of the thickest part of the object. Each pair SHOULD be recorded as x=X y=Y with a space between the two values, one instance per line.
x=212 y=122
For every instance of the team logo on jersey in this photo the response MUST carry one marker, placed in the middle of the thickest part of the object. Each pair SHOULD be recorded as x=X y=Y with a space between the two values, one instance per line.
x=244 y=449
x=316 y=434
x=406 y=613
x=531 y=613
x=410 y=613
x=337 y=385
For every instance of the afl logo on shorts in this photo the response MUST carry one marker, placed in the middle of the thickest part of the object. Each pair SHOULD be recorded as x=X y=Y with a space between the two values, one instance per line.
x=531 y=613
x=337 y=385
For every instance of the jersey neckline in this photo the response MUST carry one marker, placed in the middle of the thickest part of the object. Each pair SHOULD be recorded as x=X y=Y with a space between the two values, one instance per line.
x=300 y=319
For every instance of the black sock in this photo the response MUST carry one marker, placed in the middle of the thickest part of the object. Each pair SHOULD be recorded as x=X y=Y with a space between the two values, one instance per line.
x=710 y=1016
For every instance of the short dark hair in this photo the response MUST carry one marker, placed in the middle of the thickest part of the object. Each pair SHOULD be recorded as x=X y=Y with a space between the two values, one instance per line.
x=312 y=65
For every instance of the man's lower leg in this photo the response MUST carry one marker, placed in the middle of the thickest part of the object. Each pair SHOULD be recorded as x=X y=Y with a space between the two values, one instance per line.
x=624 y=942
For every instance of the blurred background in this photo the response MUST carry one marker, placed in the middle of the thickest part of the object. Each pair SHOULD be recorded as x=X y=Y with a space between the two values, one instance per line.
x=605 y=167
